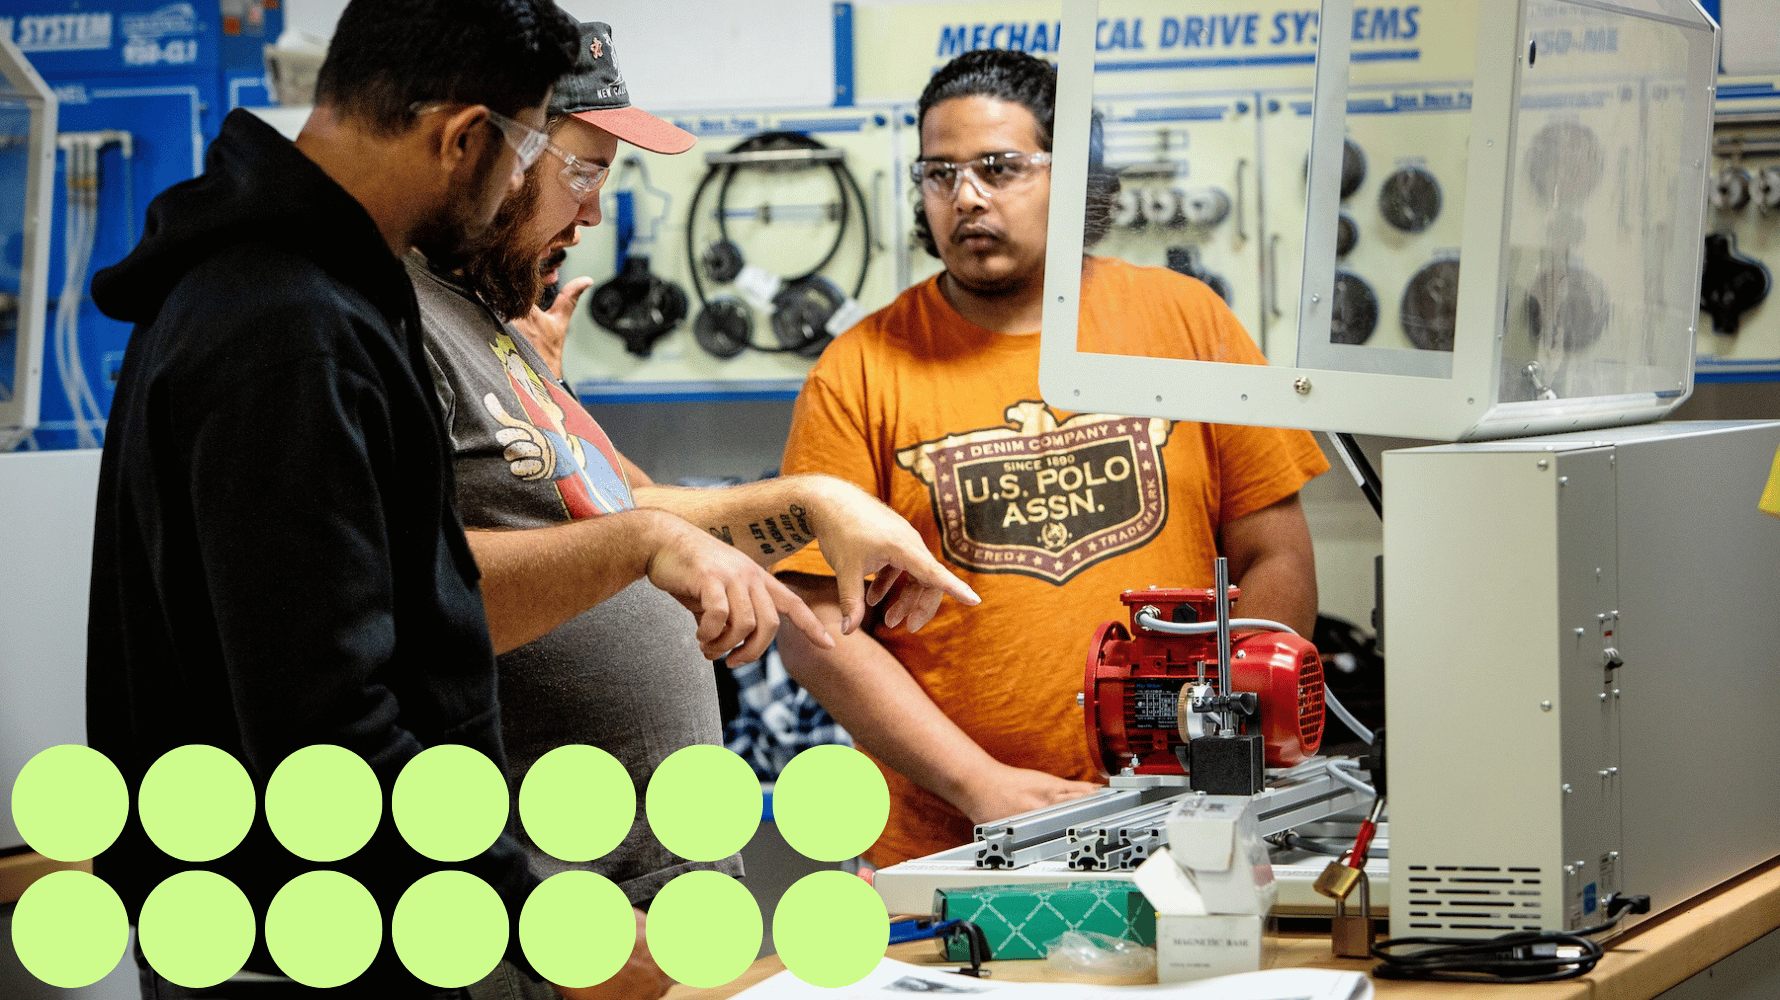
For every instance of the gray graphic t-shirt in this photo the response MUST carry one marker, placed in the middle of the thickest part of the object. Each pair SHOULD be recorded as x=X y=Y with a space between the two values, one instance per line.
x=626 y=676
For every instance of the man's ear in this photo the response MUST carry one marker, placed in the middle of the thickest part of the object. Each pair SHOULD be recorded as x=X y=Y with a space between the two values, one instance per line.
x=460 y=136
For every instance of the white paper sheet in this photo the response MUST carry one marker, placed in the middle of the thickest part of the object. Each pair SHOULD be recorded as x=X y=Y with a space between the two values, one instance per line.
x=893 y=980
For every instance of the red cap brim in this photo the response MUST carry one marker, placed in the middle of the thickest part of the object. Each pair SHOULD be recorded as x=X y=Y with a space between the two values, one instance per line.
x=640 y=128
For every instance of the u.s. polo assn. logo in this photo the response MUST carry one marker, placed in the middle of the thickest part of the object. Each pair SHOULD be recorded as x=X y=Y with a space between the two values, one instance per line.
x=1043 y=498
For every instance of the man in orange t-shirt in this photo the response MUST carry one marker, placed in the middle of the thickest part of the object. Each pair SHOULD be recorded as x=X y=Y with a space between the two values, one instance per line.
x=932 y=405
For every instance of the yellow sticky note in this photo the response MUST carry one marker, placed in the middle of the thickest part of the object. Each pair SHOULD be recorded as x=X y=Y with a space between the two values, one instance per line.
x=1770 y=497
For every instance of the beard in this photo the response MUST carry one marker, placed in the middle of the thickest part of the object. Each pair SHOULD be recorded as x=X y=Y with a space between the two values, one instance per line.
x=498 y=264
x=447 y=239
x=552 y=262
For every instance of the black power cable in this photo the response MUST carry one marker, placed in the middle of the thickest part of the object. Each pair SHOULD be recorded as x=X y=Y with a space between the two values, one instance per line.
x=1520 y=957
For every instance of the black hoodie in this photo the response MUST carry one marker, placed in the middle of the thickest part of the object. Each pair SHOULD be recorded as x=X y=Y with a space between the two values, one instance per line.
x=277 y=561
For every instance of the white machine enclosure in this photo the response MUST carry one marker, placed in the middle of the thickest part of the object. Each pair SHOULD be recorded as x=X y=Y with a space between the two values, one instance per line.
x=1583 y=659
x=47 y=500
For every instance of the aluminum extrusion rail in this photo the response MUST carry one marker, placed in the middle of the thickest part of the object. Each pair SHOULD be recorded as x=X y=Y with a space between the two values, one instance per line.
x=1118 y=828
x=1010 y=843
x=909 y=887
x=1121 y=842
x=1305 y=801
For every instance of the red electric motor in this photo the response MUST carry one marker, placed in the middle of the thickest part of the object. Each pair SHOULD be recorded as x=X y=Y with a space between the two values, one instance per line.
x=1132 y=694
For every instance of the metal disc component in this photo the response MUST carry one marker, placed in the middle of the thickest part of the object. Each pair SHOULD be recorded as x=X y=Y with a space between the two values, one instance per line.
x=1347 y=234
x=1353 y=167
x=1162 y=206
x=1729 y=189
x=722 y=261
x=1410 y=199
x=1205 y=207
x=724 y=327
x=1127 y=210
x=801 y=312
x=1430 y=308
x=1565 y=162
x=1567 y=307
x=1185 y=260
x=1767 y=189
x=1353 y=312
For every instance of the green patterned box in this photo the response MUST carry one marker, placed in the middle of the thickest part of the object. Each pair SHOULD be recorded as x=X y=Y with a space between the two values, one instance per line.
x=1019 y=919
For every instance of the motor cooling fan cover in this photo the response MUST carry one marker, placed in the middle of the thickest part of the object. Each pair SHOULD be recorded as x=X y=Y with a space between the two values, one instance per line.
x=1131 y=694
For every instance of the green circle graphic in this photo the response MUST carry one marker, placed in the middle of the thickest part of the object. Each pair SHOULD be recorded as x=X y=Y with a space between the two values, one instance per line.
x=69 y=802
x=577 y=929
x=69 y=929
x=323 y=803
x=449 y=928
x=831 y=803
x=704 y=929
x=703 y=803
x=449 y=802
x=577 y=802
x=196 y=803
x=830 y=929
x=323 y=929
x=196 y=929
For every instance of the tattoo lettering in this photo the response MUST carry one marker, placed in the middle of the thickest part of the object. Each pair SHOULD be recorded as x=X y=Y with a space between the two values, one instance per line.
x=762 y=529
x=791 y=527
x=722 y=534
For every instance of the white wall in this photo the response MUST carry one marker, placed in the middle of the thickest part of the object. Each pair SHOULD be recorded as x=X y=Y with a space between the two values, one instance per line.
x=691 y=53
x=1750 y=29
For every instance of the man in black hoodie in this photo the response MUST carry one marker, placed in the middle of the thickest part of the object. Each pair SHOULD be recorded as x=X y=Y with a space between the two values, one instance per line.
x=277 y=562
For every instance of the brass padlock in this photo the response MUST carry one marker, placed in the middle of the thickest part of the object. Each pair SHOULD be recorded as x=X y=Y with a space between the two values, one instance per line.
x=1352 y=935
x=1338 y=880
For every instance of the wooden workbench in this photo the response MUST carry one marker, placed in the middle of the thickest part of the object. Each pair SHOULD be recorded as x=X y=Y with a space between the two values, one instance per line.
x=1639 y=964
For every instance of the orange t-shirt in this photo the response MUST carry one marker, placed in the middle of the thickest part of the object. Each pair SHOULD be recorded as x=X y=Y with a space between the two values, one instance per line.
x=1048 y=514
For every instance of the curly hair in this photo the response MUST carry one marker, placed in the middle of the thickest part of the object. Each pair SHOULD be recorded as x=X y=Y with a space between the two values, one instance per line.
x=1030 y=82
x=388 y=55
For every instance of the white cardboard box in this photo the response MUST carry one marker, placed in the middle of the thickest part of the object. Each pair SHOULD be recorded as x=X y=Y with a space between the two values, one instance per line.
x=1215 y=860
x=1199 y=946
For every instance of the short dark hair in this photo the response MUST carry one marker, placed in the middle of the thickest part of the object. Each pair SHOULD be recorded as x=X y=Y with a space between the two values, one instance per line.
x=1030 y=82
x=388 y=55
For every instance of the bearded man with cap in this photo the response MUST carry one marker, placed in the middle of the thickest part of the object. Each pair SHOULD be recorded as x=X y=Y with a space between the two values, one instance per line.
x=588 y=567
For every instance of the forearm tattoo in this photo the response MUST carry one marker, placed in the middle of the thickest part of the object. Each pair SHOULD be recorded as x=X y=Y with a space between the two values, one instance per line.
x=785 y=532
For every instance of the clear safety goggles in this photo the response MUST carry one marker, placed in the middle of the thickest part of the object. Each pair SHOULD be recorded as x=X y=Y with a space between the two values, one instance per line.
x=581 y=177
x=528 y=143
x=989 y=173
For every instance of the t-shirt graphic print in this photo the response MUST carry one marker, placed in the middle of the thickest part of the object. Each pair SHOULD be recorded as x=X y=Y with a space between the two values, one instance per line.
x=1042 y=497
x=552 y=438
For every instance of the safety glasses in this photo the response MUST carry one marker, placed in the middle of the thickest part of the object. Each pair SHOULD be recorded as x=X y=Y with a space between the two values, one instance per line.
x=528 y=143
x=581 y=177
x=989 y=173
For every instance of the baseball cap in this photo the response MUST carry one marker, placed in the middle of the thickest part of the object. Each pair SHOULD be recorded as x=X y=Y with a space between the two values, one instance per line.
x=594 y=92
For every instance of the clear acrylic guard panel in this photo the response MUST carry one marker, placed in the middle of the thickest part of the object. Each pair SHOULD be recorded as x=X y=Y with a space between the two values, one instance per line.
x=1554 y=143
x=1208 y=120
x=15 y=160
x=1603 y=236
x=27 y=170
